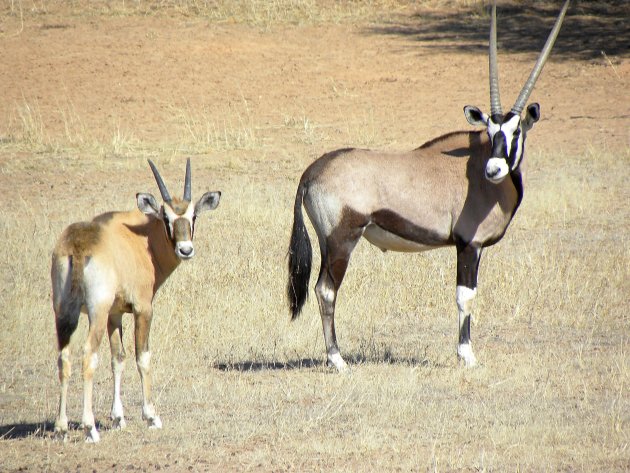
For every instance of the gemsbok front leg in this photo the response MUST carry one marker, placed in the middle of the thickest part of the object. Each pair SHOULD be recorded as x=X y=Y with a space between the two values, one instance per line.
x=114 y=330
x=143 y=362
x=468 y=258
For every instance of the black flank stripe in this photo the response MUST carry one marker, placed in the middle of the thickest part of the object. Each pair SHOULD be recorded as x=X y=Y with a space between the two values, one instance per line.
x=399 y=226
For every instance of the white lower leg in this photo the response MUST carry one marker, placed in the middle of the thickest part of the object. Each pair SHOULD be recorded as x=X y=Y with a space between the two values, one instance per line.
x=63 y=362
x=326 y=296
x=335 y=359
x=465 y=297
x=117 y=413
x=89 y=425
x=148 y=414
x=465 y=353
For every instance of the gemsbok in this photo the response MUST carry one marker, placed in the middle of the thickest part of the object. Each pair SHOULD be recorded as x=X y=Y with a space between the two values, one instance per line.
x=461 y=189
x=113 y=265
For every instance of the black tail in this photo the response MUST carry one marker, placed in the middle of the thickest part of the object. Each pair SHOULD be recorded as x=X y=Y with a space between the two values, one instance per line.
x=69 y=309
x=300 y=258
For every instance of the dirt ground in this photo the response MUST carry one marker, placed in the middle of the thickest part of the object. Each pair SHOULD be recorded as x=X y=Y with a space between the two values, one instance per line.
x=89 y=92
x=418 y=65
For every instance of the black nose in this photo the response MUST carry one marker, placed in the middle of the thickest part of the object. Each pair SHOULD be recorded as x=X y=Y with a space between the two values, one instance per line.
x=186 y=251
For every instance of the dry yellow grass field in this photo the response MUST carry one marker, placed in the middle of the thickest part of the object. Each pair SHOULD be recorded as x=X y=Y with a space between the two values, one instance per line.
x=253 y=92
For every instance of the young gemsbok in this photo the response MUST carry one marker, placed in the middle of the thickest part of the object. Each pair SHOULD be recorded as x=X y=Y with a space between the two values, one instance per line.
x=112 y=265
x=461 y=189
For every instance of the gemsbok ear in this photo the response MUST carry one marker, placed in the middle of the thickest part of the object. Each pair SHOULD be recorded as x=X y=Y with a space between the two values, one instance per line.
x=532 y=115
x=475 y=116
x=208 y=201
x=147 y=204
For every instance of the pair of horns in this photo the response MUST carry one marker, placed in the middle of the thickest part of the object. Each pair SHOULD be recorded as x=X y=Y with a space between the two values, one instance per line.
x=495 y=100
x=164 y=191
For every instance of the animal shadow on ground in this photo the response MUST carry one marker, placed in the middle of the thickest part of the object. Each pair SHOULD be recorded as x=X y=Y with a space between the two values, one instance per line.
x=358 y=358
x=268 y=365
x=38 y=429
x=591 y=28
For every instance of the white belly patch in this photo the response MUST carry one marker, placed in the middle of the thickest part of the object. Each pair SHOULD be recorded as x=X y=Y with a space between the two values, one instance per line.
x=388 y=241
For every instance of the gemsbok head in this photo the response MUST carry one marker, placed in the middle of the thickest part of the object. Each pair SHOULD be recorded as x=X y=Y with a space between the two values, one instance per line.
x=461 y=189
x=112 y=265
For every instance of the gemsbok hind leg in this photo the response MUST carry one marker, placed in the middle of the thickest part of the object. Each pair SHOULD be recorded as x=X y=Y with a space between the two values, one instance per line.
x=65 y=370
x=67 y=308
x=98 y=316
x=114 y=330
x=143 y=362
x=467 y=267
x=335 y=259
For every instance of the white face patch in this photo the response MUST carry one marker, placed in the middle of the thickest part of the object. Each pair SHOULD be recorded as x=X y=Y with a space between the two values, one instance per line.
x=509 y=128
x=185 y=249
x=190 y=213
x=171 y=217
x=496 y=170
x=493 y=128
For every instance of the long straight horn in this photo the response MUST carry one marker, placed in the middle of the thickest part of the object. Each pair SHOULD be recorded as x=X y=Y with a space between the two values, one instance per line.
x=544 y=54
x=187 y=184
x=163 y=190
x=495 y=99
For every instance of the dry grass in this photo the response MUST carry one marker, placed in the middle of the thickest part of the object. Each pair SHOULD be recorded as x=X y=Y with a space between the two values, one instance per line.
x=241 y=388
x=260 y=13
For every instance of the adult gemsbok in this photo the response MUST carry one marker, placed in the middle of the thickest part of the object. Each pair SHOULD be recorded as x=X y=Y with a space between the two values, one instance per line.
x=112 y=265
x=461 y=189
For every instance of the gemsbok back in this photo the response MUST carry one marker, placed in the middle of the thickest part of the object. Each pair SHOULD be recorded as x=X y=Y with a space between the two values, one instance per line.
x=112 y=265
x=461 y=189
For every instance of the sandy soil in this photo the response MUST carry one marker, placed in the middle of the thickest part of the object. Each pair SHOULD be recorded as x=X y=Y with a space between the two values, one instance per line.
x=414 y=71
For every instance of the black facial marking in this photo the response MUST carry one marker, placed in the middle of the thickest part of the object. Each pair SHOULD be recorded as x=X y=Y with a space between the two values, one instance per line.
x=499 y=145
x=167 y=224
x=514 y=149
x=497 y=118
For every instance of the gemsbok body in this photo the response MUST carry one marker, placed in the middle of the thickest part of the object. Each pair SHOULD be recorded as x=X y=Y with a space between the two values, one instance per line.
x=461 y=189
x=113 y=265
